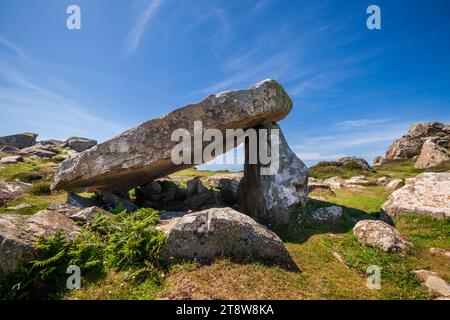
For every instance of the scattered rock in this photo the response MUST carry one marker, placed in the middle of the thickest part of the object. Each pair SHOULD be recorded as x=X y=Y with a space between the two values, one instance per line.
x=222 y=232
x=37 y=152
x=427 y=194
x=113 y=200
x=378 y=234
x=379 y=161
x=9 y=149
x=216 y=180
x=19 y=141
x=79 y=144
x=443 y=252
x=143 y=153
x=81 y=202
x=19 y=233
x=271 y=199
x=84 y=215
x=13 y=190
x=19 y=207
x=317 y=186
x=328 y=214
x=334 y=182
x=432 y=154
x=394 y=184
x=11 y=160
x=358 y=180
x=436 y=286
x=383 y=181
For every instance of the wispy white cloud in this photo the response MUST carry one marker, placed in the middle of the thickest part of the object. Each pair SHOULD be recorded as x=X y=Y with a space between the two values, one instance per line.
x=15 y=48
x=350 y=124
x=134 y=37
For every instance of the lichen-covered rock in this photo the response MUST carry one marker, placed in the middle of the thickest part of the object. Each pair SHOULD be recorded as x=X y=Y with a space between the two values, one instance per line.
x=19 y=233
x=436 y=286
x=431 y=155
x=394 y=184
x=334 y=182
x=328 y=214
x=143 y=153
x=13 y=190
x=228 y=184
x=79 y=144
x=19 y=141
x=358 y=180
x=83 y=215
x=11 y=160
x=221 y=232
x=272 y=199
x=427 y=194
x=378 y=234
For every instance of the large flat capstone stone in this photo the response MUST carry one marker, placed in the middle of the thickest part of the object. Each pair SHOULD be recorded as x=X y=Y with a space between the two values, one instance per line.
x=143 y=153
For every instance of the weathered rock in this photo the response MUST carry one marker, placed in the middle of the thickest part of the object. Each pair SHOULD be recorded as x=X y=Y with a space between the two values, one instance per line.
x=79 y=144
x=357 y=180
x=19 y=207
x=410 y=145
x=431 y=155
x=427 y=194
x=84 y=215
x=150 y=189
x=228 y=184
x=334 y=182
x=394 y=184
x=312 y=186
x=383 y=181
x=37 y=152
x=216 y=180
x=440 y=251
x=378 y=234
x=19 y=141
x=194 y=187
x=222 y=232
x=11 y=160
x=379 y=161
x=9 y=149
x=328 y=214
x=113 y=200
x=355 y=162
x=271 y=199
x=436 y=286
x=81 y=202
x=143 y=153
x=13 y=190
x=19 y=233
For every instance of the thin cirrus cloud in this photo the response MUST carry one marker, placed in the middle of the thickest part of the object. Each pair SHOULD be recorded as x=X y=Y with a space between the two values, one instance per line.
x=16 y=49
x=134 y=37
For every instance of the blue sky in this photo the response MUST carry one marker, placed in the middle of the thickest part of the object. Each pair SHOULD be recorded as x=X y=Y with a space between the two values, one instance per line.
x=354 y=90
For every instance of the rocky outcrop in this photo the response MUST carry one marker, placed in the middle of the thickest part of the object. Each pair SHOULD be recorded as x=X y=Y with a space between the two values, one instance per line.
x=11 y=160
x=19 y=141
x=221 y=232
x=427 y=194
x=271 y=199
x=431 y=155
x=354 y=162
x=12 y=190
x=378 y=161
x=143 y=154
x=19 y=233
x=411 y=144
x=79 y=144
x=378 y=234
x=37 y=151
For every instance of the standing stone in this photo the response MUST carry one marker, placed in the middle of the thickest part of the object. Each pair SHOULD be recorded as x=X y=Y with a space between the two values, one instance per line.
x=19 y=141
x=272 y=199
x=143 y=153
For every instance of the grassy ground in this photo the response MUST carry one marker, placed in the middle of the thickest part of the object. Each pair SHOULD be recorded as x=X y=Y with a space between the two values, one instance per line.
x=314 y=249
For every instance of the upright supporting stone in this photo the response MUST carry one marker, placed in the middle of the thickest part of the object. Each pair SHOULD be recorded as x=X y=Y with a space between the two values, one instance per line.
x=272 y=199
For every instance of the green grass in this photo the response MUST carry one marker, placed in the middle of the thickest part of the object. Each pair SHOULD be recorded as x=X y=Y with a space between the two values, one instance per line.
x=40 y=188
x=399 y=169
